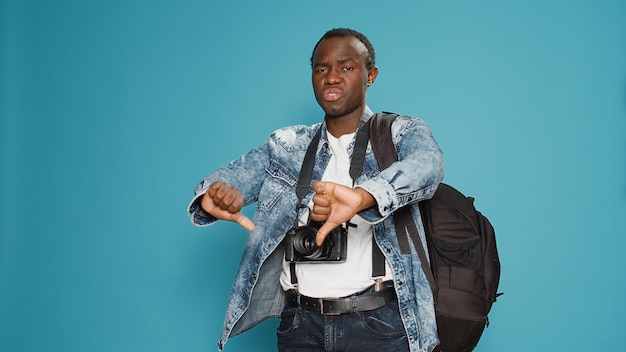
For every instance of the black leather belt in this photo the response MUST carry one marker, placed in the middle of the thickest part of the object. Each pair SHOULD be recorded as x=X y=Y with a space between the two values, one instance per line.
x=335 y=306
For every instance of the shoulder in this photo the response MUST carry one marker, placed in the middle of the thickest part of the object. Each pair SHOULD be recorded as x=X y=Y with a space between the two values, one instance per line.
x=294 y=137
x=410 y=120
x=404 y=123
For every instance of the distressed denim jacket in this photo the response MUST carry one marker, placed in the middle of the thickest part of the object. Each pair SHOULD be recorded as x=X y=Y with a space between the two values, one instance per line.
x=268 y=176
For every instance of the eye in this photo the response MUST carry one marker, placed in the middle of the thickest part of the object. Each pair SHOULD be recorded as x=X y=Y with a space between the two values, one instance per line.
x=348 y=68
x=320 y=70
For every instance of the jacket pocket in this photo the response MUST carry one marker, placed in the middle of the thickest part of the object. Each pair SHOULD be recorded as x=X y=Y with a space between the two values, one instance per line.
x=278 y=184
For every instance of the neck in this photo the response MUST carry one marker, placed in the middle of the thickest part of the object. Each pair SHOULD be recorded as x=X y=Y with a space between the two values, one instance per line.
x=339 y=126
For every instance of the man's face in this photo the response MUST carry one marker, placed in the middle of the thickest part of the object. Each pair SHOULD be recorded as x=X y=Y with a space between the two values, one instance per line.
x=340 y=77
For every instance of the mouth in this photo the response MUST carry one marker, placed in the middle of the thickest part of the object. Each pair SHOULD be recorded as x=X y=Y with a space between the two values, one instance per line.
x=332 y=94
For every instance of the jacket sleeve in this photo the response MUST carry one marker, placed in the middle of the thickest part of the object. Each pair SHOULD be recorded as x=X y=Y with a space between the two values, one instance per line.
x=414 y=177
x=245 y=173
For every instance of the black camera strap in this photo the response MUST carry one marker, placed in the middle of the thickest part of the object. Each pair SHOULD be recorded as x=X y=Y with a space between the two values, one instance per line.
x=356 y=169
x=304 y=187
x=306 y=170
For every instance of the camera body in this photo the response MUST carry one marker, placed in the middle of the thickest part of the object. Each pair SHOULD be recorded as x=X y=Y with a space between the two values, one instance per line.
x=300 y=245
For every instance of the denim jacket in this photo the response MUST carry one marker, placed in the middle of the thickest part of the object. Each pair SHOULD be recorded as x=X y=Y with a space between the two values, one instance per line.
x=268 y=176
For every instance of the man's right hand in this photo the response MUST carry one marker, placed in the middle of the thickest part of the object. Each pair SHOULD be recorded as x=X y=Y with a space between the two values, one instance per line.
x=225 y=202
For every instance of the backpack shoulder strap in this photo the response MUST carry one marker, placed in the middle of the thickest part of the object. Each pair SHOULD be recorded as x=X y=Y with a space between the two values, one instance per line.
x=380 y=134
x=385 y=152
x=381 y=140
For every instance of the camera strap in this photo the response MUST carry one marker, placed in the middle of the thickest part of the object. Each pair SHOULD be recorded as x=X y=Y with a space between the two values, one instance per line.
x=356 y=169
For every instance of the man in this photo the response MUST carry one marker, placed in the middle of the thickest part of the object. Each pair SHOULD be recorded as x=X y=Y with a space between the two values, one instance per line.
x=330 y=305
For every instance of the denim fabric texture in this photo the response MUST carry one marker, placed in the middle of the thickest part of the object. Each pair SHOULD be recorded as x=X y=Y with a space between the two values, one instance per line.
x=268 y=176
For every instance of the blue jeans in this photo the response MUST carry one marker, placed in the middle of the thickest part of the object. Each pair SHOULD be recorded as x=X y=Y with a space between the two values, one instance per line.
x=381 y=329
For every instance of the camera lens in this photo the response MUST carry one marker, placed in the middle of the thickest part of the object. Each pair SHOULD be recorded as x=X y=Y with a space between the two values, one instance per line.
x=304 y=241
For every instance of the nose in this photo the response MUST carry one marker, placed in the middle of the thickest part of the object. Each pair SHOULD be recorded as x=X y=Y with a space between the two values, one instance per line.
x=333 y=77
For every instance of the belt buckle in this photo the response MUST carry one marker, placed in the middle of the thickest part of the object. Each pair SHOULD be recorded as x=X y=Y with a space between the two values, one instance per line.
x=322 y=311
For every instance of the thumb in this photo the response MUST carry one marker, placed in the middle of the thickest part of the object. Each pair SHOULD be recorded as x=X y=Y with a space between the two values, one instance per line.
x=323 y=232
x=243 y=221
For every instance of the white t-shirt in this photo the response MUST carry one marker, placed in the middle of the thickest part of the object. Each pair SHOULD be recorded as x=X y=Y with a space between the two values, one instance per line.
x=355 y=274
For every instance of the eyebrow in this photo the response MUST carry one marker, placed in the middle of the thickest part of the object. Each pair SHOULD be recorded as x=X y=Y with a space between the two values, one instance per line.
x=341 y=61
x=349 y=59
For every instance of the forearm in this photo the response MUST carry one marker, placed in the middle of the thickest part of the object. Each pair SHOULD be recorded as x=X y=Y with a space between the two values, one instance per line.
x=414 y=177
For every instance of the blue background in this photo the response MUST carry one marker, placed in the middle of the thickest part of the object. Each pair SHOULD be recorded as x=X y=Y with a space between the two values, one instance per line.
x=111 y=111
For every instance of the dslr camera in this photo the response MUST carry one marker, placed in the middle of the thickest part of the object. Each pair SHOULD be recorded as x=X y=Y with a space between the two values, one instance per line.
x=301 y=246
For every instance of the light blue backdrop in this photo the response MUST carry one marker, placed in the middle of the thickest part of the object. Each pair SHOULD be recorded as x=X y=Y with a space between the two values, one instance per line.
x=111 y=111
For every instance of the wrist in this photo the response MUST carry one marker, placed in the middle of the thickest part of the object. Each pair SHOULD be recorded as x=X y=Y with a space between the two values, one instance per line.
x=367 y=200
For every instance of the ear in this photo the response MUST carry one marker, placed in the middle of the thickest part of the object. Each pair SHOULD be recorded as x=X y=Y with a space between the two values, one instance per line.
x=371 y=76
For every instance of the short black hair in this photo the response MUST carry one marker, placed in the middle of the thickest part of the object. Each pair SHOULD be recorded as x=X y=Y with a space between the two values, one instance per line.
x=347 y=32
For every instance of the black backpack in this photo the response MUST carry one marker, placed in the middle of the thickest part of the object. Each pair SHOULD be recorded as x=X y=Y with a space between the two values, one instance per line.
x=464 y=265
